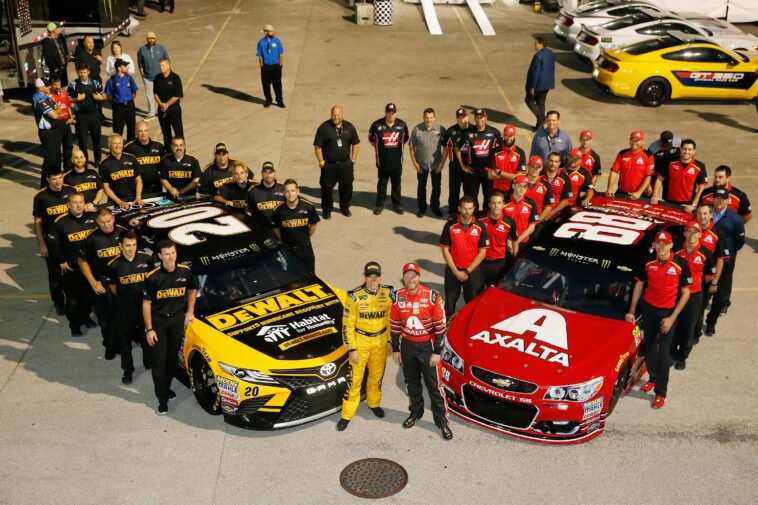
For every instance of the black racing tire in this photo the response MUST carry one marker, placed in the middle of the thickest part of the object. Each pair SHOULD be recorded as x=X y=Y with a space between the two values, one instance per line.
x=654 y=91
x=203 y=383
x=618 y=387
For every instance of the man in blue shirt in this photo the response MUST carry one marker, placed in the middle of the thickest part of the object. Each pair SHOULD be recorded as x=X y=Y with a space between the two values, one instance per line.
x=149 y=62
x=270 y=55
x=540 y=79
x=121 y=90
x=551 y=139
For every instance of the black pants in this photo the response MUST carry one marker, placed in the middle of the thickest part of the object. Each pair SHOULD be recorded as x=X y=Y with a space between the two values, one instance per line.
x=305 y=253
x=51 y=141
x=272 y=74
x=684 y=337
x=163 y=355
x=55 y=282
x=78 y=298
x=129 y=327
x=124 y=114
x=472 y=183
x=332 y=174
x=455 y=181
x=415 y=356
x=536 y=104
x=104 y=313
x=422 y=178
x=703 y=307
x=491 y=270
x=394 y=176
x=453 y=287
x=721 y=299
x=88 y=126
x=171 y=119
x=657 y=346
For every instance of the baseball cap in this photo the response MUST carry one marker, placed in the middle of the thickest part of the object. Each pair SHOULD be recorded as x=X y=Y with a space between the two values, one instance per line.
x=637 y=135
x=151 y=35
x=585 y=133
x=412 y=267
x=39 y=83
x=461 y=112
x=509 y=130
x=372 y=268
x=120 y=63
x=663 y=236
x=390 y=107
x=51 y=27
x=480 y=112
x=221 y=148
x=693 y=224
x=721 y=192
x=576 y=153
x=667 y=137
x=535 y=161
x=268 y=28
x=267 y=166
x=520 y=179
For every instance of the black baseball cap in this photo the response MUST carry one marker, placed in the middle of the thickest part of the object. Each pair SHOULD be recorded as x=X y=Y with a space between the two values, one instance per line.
x=120 y=63
x=461 y=112
x=666 y=137
x=372 y=268
x=267 y=167
x=221 y=148
x=480 y=112
x=390 y=107
x=721 y=192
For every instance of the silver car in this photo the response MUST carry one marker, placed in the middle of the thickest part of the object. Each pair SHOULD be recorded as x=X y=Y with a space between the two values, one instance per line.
x=569 y=23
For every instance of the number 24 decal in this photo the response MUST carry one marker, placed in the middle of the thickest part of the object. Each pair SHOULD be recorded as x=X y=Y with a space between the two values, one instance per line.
x=600 y=227
x=185 y=224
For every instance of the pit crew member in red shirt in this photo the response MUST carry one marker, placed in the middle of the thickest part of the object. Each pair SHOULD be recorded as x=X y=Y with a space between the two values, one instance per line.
x=554 y=175
x=683 y=180
x=500 y=229
x=633 y=168
x=537 y=189
x=590 y=157
x=522 y=210
x=580 y=179
x=508 y=163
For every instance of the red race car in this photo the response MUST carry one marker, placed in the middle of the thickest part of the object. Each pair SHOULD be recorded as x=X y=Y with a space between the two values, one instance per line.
x=545 y=354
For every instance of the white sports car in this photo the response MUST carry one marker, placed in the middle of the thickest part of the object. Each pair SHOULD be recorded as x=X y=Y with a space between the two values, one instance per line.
x=569 y=23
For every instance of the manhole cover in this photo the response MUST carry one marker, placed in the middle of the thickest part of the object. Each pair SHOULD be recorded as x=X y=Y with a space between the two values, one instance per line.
x=373 y=478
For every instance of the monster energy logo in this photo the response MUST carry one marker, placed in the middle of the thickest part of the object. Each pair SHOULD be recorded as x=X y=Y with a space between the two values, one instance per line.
x=554 y=251
x=605 y=263
x=205 y=260
x=254 y=247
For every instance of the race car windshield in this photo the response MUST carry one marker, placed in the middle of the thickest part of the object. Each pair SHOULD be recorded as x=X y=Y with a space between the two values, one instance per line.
x=266 y=273
x=586 y=288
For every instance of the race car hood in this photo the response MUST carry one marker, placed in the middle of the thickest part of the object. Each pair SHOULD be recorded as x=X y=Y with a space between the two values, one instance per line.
x=536 y=342
x=300 y=322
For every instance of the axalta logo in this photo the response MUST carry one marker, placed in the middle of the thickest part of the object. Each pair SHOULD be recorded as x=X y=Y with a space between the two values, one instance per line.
x=274 y=333
x=545 y=326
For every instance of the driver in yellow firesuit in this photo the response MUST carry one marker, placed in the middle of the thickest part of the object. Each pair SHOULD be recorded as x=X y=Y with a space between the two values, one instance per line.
x=366 y=333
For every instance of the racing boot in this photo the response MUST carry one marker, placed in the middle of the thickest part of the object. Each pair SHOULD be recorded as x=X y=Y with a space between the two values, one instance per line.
x=342 y=424
x=378 y=412
x=447 y=434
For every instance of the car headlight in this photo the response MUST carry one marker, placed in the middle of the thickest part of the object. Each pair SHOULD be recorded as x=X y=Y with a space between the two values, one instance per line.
x=575 y=393
x=450 y=357
x=247 y=375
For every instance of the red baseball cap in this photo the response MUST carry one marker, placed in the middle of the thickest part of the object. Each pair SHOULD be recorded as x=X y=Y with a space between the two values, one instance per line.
x=412 y=267
x=520 y=179
x=509 y=130
x=585 y=133
x=637 y=135
x=576 y=153
x=535 y=161
x=663 y=236
x=693 y=224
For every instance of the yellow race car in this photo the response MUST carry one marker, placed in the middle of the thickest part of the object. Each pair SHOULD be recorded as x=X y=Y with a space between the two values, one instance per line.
x=671 y=66
x=265 y=348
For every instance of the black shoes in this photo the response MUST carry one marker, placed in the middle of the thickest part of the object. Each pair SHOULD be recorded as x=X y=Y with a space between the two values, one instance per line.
x=76 y=331
x=399 y=209
x=378 y=210
x=89 y=323
x=109 y=353
x=346 y=212
x=420 y=213
x=437 y=212
x=342 y=424
x=680 y=364
x=410 y=422
x=326 y=215
x=171 y=394
x=126 y=379
x=378 y=412
x=710 y=330
x=281 y=105
x=447 y=434
x=267 y=104
x=60 y=309
x=162 y=409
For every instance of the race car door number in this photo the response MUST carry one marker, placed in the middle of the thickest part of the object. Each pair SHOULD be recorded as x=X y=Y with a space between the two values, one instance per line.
x=187 y=222
x=600 y=227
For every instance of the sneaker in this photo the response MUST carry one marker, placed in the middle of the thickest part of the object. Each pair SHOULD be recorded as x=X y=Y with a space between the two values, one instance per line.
x=410 y=422
x=399 y=209
x=659 y=402
x=326 y=215
x=710 y=330
x=162 y=409
x=171 y=394
x=342 y=424
x=281 y=105
x=647 y=387
x=267 y=104
x=447 y=434
x=126 y=378
x=378 y=411
x=420 y=213
x=378 y=210
x=437 y=212
x=680 y=364
x=346 y=212
x=109 y=353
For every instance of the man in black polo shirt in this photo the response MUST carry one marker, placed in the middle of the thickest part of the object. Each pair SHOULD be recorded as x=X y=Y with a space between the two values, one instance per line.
x=738 y=200
x=120 y=173
x=665 y=279
x=168 y=93
x=234 y=193
x=456 y=136
x=265 y=196
x=85 y=180
x=180 y=172
x=127 y=273
x=295 y=222
x=389 y=136
x=50 y=203
x=482 y=143
x=336 y=146
x=218 y=172
x=65 y=241
x=100 y=247
x=464 y=244
x=149 y=153
x=168 y=308
x=86 y=93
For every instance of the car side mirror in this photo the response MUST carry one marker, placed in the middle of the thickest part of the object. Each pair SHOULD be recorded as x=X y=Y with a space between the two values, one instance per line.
x=732 y=62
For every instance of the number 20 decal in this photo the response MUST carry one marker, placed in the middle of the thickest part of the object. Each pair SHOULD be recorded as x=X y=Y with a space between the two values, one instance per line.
x=185 y=224
x=600 y=227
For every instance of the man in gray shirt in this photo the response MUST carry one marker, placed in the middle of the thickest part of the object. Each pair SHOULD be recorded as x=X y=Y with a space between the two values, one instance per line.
x=428 y=156
x=149 y=62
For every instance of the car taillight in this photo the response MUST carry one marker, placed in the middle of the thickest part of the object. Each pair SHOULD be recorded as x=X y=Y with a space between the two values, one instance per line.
x=590 y=41
x=611 y=67
x=568 y=22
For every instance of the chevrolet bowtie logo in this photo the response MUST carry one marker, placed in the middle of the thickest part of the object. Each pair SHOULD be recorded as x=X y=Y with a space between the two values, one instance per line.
x=504 y=383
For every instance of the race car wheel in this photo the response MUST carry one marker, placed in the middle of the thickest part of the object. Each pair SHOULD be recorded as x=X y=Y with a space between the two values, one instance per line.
x=204 y=386
x=653 y=92
x=619 y=387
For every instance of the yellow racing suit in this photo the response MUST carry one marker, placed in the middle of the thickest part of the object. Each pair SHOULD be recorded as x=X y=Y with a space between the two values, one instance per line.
x=366 y=329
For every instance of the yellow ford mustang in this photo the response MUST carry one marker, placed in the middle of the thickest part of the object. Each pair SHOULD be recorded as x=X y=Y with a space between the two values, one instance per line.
x=656 y=70
x=265 y=348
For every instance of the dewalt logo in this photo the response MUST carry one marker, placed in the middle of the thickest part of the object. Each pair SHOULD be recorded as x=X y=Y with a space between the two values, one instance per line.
x=171 y=293
x=295 y=223
x=78 y=236
x=57 y=210
x=122 y=174
x=179 y=174
x=85 y=186
x=148 y=160
x=109 y=252
x=131 y=279
x=268 y=205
